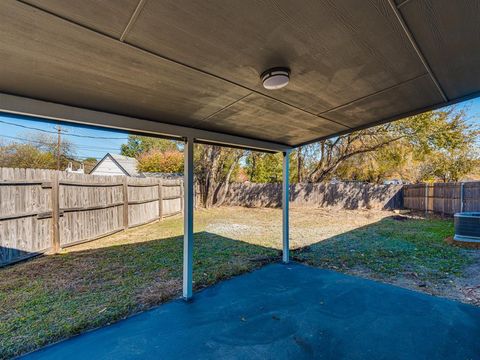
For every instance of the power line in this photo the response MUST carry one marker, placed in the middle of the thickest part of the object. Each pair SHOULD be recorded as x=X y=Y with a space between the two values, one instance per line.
x=74 y=158
x=21 y=139
x=108 y=141
x=81 y=147
x=86 y=147
x=55 y=132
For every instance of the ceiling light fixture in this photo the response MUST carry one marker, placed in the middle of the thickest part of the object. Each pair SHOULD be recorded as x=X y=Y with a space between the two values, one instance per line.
x=275 y=78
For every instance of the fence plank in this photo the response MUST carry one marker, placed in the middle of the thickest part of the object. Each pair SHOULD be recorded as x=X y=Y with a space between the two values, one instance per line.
x=160 y=200
x=443 y=198
x=46 y=210
x=344 y=195
x=55 y=214
x=125 y=204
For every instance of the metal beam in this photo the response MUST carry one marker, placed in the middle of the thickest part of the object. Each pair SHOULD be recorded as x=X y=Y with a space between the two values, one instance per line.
x=133 y=18
x=188 y=219
x=48 y=110
x=285 y=207
x=415 y=46
x=392 y=118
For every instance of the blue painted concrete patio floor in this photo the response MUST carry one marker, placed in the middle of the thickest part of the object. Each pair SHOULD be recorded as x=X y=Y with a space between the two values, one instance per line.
x=289 y=312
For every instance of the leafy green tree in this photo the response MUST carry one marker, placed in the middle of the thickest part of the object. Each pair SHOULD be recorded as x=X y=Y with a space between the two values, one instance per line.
x=137 y=145
x=89 y=163
x=158 y=161
x=40 y=153
x=376 y=166
x=26 y=156
x=404 y=147
x=264 y=168
x=215 y=167
x=429 y=146
x=449 y=165
x=268 y=168
x=450 y=150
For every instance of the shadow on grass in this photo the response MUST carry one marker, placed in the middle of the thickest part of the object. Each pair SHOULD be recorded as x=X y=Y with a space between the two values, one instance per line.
x=54 y=297
x=10 y=255
x=47 y=299
x=393 y=246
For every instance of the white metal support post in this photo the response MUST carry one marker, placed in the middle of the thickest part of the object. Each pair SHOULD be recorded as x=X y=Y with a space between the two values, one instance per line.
x=188 y=219
x=285 y=210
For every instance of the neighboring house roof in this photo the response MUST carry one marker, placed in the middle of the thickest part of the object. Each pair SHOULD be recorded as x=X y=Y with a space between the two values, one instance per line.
x=127 y=164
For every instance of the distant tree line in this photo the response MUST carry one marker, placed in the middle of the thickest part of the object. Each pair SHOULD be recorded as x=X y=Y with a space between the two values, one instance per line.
x=41 y=152
x=435 y=146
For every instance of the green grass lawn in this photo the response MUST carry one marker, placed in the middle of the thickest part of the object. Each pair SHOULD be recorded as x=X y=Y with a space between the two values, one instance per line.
x=54 y=297
x=390 y=248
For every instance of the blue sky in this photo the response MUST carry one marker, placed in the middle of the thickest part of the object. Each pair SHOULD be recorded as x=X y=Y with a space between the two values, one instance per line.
x=472 y=108
x=96 y=142
x=89 y=141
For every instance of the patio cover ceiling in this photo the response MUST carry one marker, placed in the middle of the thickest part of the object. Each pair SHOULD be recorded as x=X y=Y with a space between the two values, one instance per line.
x=196 y=64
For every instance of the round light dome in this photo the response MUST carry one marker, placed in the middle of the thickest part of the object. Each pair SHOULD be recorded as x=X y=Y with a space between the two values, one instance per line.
x=275 y=78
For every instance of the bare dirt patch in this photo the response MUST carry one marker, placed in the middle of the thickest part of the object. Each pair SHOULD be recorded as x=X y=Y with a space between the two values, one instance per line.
x=307 y=225
x=159 y=290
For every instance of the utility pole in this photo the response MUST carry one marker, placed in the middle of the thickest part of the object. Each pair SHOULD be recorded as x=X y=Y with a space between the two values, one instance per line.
x=59 y=143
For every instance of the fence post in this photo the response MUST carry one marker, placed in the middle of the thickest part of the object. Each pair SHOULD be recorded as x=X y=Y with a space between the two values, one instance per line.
x=182 y=184
x=55 y=213
x=426 y=198
x=125 y=202
x=444 y=187
x=160 y=200
x=462 y=196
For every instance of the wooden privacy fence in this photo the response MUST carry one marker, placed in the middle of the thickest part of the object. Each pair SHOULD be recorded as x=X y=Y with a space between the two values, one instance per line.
x=346 y=195
x=45 y=210
x=443 y=198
